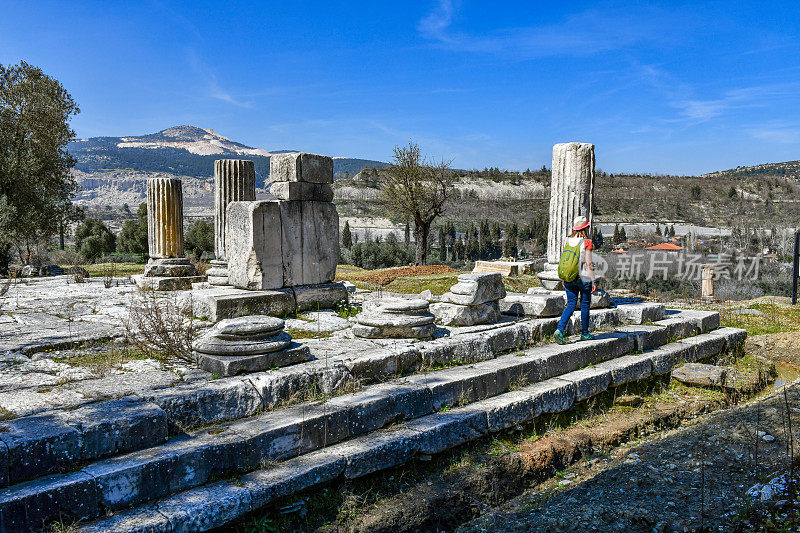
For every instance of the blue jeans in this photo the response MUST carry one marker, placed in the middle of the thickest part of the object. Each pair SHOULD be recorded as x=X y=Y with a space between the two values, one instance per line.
x=574 y=288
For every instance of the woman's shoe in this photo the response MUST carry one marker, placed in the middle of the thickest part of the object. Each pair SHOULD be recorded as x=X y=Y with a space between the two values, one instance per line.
x=587 y=337
x=559 y=337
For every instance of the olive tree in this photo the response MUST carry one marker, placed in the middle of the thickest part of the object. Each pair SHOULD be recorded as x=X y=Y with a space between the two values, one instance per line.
x=416 y=189
x=35 y=180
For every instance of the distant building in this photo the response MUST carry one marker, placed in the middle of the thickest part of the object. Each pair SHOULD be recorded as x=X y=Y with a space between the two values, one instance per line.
x=666 y=247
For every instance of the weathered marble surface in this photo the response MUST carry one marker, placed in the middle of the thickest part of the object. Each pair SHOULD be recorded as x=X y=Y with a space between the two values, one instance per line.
x=274 y=244
x=301 y=190
x=299 y=166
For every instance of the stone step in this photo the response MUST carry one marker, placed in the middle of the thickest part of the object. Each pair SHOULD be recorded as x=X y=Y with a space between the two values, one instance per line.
x=216 y=504
x=54 y=441
x=51 y=442
x=196 y=458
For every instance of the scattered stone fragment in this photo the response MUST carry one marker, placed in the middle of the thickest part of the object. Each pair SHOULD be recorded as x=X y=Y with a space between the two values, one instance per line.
x=471 y=301
x=629 y=400
x=700 y=374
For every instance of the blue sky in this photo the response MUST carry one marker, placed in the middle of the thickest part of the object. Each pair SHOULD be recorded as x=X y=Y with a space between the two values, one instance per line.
x=671 y=87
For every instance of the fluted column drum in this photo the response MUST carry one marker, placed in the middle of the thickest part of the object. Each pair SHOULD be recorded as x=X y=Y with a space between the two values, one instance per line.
x=164 y=218
x=571 y=192
x=234 y=181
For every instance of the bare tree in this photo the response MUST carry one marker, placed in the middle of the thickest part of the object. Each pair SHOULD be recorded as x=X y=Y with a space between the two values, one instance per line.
x=417 y=190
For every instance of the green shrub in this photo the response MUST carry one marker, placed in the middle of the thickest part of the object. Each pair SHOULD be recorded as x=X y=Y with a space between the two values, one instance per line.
x=93 y=239
x=200 y=237
x=371 y=255
x=133 y=237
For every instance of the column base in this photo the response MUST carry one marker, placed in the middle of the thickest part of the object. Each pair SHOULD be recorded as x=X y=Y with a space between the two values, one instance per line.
x=166 y=283
x=169 y=267
x=218 y=273
x=549 y=277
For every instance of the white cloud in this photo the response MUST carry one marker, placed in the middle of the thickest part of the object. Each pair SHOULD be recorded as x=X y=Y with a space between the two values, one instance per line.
x=211 y=85
x=781 y=133
x=584 y=33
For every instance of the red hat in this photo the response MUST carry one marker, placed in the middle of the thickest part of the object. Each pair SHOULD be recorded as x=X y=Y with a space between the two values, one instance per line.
x=580 y=223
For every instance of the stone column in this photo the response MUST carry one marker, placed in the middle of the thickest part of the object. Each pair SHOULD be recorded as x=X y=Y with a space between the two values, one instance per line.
x=234 y=181
x=165 y=230
x=164 y=218
x=571 y=194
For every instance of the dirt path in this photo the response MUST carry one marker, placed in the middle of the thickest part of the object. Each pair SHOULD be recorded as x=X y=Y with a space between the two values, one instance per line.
x=682 y=480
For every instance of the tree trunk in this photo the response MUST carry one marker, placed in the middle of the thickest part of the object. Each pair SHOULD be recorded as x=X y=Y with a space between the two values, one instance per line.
x=421 y=231
x=61 y=235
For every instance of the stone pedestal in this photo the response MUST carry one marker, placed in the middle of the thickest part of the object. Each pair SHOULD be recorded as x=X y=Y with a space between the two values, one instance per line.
x=471 y=301
x=247 y=344
x=234 y=181
x=707 y=283
x=275 y=244
x=571 y=194
x=221 y=302
x=167 y=268
x=395 y=318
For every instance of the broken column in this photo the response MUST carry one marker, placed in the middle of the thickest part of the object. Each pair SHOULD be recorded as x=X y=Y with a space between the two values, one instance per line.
x=291 y=242
x=234 y=181
x=247 y=344
x=571 y=194
x=395 y=318
x=168 y=268
x=471 y=301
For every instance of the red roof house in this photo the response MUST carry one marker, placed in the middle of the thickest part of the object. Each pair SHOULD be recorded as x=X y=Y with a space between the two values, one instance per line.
x=666 y=246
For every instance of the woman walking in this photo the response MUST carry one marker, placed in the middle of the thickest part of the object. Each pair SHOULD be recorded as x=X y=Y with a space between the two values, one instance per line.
x=578 y=277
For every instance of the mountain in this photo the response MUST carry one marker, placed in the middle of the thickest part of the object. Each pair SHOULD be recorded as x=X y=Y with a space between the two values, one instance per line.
x=788 y=169
x=113 y=170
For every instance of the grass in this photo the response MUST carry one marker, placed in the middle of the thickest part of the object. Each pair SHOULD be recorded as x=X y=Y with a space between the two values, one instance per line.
x=307 y=334
x=103 y=360
x=776 y=318
x=122 y=269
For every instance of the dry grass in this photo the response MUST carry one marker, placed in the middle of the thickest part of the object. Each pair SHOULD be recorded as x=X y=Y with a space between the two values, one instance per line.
x=777 y=317
x=157 y=327
x=414 y=280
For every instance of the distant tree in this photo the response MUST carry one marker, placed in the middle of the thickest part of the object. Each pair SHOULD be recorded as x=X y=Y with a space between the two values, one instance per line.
x=616 y=238
x=35 y=180
x=200 y=237
x=658 y=230
x=133 y=237
x=696 y=192
x=347 y=236
x=597 y=238
x=732 y=193
x=458 y=249
x=93 y=239
x=510 y=248
x=442 y=245
x=66 y=212
x=417 y=190
x=623 y=236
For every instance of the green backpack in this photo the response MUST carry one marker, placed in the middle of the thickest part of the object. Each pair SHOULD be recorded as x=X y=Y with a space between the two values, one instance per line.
x=569 y=264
